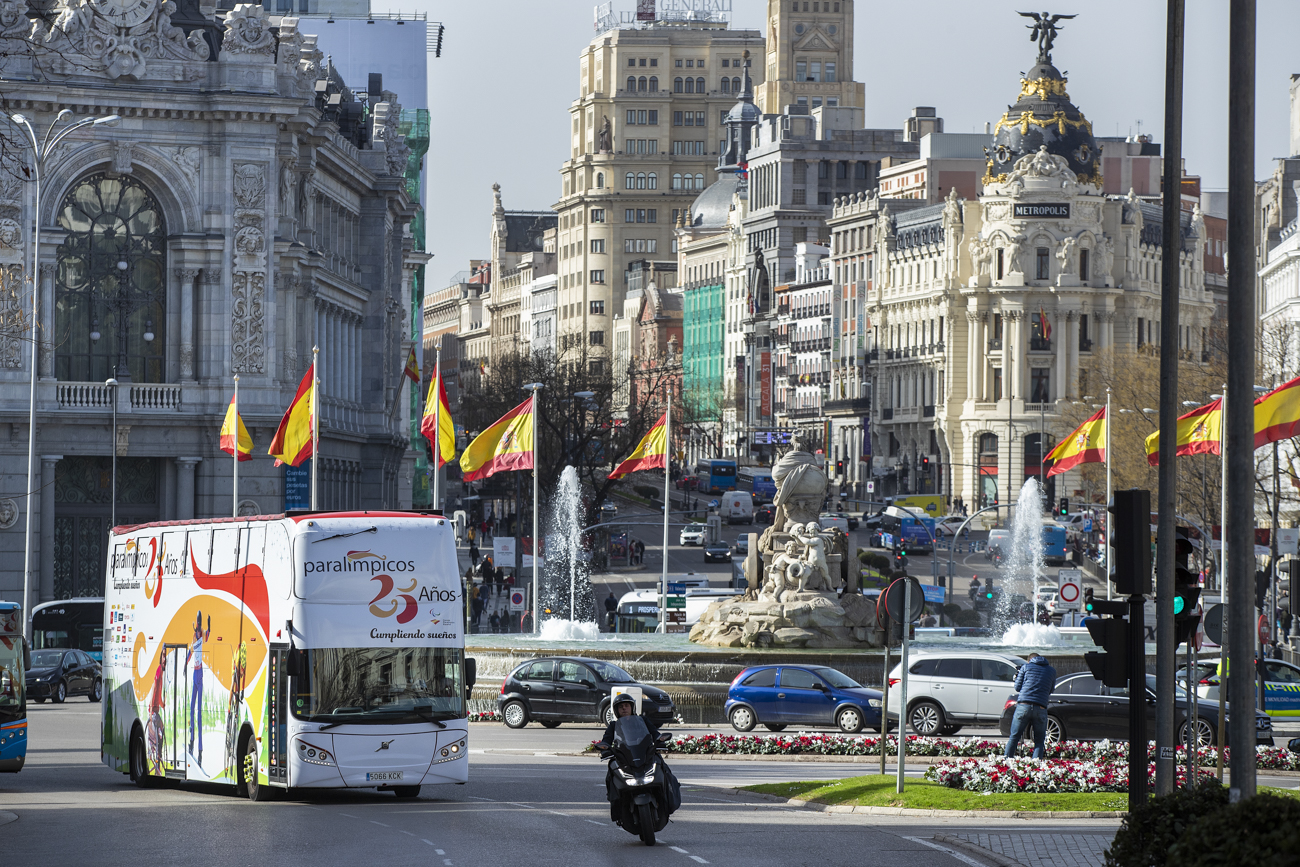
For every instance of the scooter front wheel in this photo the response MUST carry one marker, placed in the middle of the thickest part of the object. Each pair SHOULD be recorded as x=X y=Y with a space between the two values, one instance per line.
x=646 y=823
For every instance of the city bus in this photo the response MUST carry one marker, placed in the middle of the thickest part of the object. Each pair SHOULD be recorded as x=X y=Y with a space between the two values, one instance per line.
x=716 y=476
x=13 y=688
x=309 y=650
x=75 y=623
x=759 y=482
x=638 y=610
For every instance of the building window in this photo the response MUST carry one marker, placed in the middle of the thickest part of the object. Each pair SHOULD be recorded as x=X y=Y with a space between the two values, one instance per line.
x=726 y=83
x=800 y=196
x=997 y=384
x=1083 y=265
x=699 y=117
x=654 y=61
x=641 y=62
x=1142 y=334
x=1040 y=384
x=652 y=117
x=678 y=63
x=652 y=181
x=596 y=367
x=830 y=70
x=677 y=118
x=652 y=213
x=677 y=84
x=999 y=260
x=629 y=181
x=815 y=71
x=631 y=83
x=596 y=338
x=598 y=214
x=800 y=70
x=598 y=245
x=677 y=185
x=631 y=116
x=640 y=181
x=699 y=83
x=597 y=276
x=1042 y=270
x=832 y=101
x=654 y=84
x=600 y=180
x=641 y=84
x=690 y=64
x=598 y=308
x=690 y=85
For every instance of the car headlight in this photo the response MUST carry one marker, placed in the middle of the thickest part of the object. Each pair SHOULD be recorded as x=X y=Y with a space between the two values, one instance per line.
x=873 y=702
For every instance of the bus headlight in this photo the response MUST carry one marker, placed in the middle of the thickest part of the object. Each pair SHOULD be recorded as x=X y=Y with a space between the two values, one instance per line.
x=315 y=755
x=451 y=752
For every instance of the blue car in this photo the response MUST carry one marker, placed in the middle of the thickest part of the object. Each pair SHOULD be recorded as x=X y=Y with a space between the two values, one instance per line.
x=781 y=695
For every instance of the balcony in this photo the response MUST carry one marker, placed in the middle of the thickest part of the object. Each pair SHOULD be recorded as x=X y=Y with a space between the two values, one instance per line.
x=780 y=339
x=849 y=406
x=143 y=397
x=779 y=370
x=805 y=412
x=1040 y=344
x=873 y=354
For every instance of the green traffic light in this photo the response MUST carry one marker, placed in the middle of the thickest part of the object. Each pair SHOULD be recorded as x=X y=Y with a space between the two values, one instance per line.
x=988 y=595
x=1178 y=605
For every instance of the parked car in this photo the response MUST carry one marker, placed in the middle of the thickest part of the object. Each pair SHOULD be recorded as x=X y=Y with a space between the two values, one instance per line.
x=692 y=534
x=554 y=690
x=1281 y=685
x=765 y=514
x=780 y=695
x=719 y=552
x=947 y=691
x=1082 y=708
x=57 y=673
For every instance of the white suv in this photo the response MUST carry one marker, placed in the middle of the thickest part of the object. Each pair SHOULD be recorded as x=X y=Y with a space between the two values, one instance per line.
x=692 y=534
x=948 y=690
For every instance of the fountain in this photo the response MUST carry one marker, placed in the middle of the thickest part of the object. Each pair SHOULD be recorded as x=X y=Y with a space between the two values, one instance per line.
x=1023 y=568
x=577 y=600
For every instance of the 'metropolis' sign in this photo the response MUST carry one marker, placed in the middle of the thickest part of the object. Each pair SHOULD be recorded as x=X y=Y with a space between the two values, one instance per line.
x=1049 y=210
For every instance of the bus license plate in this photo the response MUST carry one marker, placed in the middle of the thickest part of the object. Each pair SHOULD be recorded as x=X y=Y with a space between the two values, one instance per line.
x=385 y=777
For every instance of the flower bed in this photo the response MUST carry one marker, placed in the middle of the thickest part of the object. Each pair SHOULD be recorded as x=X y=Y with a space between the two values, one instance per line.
x=1033 y=775
x=804 y=743
x=483 y=716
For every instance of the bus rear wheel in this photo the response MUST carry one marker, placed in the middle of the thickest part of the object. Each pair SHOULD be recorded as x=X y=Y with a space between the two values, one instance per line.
x=138 y=761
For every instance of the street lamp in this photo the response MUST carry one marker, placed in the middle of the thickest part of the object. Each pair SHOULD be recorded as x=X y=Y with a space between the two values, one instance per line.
x=112 y=443
x=41 y=148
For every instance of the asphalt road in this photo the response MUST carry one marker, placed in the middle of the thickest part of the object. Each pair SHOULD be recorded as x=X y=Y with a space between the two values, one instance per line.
x=518 y=808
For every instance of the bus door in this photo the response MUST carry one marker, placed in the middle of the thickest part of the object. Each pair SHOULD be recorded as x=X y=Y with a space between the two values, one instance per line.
x=167 y=729
x=277 y=698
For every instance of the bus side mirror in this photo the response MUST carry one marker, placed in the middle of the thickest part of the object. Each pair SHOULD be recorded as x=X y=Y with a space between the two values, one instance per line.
x=27 y=655
x=471 y=673
x=293 y=662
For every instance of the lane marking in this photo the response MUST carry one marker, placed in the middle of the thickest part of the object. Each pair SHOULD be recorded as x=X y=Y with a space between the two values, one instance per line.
x=594 y=822
x=446 y=860
x=965 y=859
x=349 y=815
x=476 y=798
x=439 y=852
x=407 y=833
x=679 y=849
x=373 y=822
x=426 y=841
x=558 y=813
x=698 y=859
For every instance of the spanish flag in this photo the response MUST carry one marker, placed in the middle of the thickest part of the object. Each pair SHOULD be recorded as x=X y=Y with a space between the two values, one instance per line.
x=1086 y=445
x=506 y=445
x=1199 y=432
x=292 y=444
x=1044 y=327
x=234 y=436
x=436 y=404
x=649 y=454
x=1277 y=414
x=413 y=367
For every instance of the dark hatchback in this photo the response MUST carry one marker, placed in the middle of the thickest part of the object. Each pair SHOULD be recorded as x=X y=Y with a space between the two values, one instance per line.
x=781 y=695
x=58 y=673
x=1082 y=708
x=563 y=689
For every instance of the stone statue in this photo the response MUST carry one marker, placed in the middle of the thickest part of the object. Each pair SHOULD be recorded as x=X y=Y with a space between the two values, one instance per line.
x=1043 y=31
x=1065 y=255
x=605 y=139
x=981 y=257
x=1105 y=257
x=785 y=570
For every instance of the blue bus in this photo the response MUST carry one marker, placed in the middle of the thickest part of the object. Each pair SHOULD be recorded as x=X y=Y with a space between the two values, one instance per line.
x=716 y=476
x=1054 y=545
x=908 y=528
x=760 y=483
x=13 y=689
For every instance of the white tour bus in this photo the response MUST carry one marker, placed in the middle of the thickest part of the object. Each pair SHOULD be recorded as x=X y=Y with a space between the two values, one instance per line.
x=317 y=650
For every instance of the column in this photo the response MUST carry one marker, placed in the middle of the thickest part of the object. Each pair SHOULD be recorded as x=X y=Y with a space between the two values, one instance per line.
x=972 y=371
x=46 y=355
x=1072 y=372
x=1062 y=335
x=1008 y=354
x=188 y=279
x=46 y=505
x=185 y=487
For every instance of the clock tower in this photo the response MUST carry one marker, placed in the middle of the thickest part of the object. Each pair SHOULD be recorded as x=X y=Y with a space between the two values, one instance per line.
x=809 y=56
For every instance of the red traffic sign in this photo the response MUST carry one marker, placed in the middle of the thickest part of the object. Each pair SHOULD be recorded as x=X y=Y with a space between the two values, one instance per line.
x=1263 y=629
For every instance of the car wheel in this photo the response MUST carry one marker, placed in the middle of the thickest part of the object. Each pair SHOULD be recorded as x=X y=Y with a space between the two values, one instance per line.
x=551 y=724
x=515 y=714
x=1205 y=734
x=774 y=727
x=96 y=691
x=608 y=713
x=742 y=719
x=60 y=693
x=406 y=793
x=925 y=718
x=849 y=720
x=1055 y=731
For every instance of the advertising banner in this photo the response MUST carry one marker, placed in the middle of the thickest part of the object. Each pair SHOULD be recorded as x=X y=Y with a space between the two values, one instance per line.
x=765 y=403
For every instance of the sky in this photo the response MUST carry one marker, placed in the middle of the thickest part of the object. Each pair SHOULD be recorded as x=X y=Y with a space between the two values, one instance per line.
x=500 y=93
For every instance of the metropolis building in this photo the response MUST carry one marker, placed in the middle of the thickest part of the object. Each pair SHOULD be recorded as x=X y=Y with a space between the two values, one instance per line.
x=250 y=205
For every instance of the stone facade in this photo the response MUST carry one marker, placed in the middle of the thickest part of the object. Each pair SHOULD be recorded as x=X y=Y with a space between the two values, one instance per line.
x=246 y=209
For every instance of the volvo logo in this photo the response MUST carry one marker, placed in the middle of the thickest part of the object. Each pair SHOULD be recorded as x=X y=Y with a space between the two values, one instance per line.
x=383 y=745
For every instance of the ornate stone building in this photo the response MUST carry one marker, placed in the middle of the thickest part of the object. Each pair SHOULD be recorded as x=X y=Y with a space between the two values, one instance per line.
x=249 y=207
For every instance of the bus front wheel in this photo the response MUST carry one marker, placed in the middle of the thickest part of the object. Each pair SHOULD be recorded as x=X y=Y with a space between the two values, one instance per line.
x=248 y=784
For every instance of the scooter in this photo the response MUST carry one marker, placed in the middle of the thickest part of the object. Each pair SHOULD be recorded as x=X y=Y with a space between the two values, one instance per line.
x=641 y=782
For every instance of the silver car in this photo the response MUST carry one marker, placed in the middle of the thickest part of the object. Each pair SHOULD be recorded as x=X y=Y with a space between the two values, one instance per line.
x=948 y=690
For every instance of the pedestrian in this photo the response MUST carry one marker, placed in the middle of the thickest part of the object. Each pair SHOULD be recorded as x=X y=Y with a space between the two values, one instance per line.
x=1034 y=684
x=500 y=579
x=484 y=526
x=478 y=604
x=974 y=587
x=473 y=552
x=470 y=533
x=611 y=609
x=510 y=583
x=640 y=552
x=495 y=622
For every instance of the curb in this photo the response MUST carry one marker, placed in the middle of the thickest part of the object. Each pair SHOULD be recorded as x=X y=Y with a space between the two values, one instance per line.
x=970 y=848
x=937 y=814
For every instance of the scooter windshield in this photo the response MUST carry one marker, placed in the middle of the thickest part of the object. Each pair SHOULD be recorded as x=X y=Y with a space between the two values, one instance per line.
x=632 y=737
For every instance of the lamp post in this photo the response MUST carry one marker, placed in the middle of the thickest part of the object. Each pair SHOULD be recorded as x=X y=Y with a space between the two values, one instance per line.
x=112 y=444
x=41 y=148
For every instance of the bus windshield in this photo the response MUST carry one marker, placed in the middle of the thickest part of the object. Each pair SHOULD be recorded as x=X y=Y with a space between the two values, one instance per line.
x=12 y=679
x=75 y=624
x=380 y=685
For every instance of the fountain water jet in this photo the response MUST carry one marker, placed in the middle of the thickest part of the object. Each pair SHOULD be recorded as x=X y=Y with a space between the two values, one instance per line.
x=1024 y=565
x=569 y=561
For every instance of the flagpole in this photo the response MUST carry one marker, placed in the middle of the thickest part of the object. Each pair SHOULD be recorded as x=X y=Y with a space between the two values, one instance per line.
x=315 y=421
x=437 y=420
x=537 y=547
x=1109 y=493
x=235 y=455
x=668 y=462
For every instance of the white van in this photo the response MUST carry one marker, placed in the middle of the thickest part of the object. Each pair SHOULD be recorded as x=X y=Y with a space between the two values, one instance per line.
x=738 y=507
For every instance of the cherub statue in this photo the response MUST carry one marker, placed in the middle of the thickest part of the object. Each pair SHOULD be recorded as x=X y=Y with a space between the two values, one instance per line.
x=785 y=570
x=816 y=574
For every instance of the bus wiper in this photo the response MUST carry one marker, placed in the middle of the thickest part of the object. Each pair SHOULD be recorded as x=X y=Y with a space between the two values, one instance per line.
x=426 y=712
x=346 y=535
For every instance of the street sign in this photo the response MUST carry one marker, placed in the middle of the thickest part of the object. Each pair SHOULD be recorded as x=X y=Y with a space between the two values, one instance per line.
x=1264 y=631
x=676 y=588
x=1069 y=589
x=1287 y=539
x=871 y=487
x=503 y=550
x=894 y=596
x=676 y=616
x=1212 y=623
x=676 y=602
x=517 y=600
x=933 y=593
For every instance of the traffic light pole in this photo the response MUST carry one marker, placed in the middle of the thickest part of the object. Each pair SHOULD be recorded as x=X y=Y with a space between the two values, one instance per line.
x=1137 y=706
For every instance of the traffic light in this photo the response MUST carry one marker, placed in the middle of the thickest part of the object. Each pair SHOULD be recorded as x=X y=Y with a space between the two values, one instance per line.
x=1087 y=599
x=839 y=468
x=988 y=589
x=1131 y=539
x=925 y=462
x=1261 y=589
x=1110 y=664
x=1064 y=509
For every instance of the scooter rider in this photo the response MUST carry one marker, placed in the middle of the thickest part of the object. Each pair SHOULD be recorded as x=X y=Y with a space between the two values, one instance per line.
x=624 y=706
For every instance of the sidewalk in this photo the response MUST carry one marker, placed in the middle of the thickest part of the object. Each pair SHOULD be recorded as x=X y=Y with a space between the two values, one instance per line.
x=1032 y=850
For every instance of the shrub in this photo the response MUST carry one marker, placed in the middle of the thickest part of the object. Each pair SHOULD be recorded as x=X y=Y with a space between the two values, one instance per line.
x=966 y=617
x=952 y=609
x=1263 y=831
x=650 y=492
x=1148 y=833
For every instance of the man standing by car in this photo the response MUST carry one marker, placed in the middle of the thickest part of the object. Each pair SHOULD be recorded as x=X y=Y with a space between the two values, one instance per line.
x=1034 y=684
x=611 y=608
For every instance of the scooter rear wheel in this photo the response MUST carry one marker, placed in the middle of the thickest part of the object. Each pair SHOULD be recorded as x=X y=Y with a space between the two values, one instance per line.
x=646 y=823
